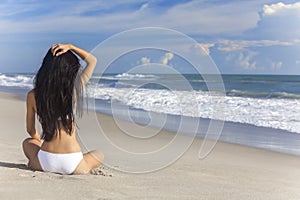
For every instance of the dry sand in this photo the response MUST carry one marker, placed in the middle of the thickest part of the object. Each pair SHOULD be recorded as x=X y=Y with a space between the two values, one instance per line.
x=229 y=172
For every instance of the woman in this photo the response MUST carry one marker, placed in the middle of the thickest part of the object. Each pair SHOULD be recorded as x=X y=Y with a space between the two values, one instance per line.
x=57 y=91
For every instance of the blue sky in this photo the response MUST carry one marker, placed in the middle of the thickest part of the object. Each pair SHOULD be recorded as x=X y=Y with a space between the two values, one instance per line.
x=244 y=37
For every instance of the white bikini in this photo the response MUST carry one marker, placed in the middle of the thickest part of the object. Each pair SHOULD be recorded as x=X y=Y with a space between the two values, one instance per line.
x=59 y=163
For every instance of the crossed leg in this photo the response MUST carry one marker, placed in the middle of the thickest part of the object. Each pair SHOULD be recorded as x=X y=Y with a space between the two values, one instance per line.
x=31 y=148
x=91 y=160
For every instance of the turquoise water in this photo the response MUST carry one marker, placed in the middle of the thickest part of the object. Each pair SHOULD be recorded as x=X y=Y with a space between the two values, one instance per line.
x=256 y=86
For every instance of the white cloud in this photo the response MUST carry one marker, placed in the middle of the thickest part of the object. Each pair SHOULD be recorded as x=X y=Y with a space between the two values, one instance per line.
x=276 y=65
x=245 y=60
x=237 y=45
x=144 y=6
x=281 y=8
x=145 y=60
x=297 y=62
x=206 y=47
x=279 y=21
x=11 y=9
x=168 y=56
x=196 y=17
x=201 y=48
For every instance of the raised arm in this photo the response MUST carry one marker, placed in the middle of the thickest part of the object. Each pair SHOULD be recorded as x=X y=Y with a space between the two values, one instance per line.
x=90 y=59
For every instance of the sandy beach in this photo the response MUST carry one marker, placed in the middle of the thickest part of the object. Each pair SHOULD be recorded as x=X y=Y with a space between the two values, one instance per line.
x=229 y=172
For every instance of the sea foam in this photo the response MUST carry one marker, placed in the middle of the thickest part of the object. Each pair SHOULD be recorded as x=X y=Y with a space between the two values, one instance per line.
x=280 y=113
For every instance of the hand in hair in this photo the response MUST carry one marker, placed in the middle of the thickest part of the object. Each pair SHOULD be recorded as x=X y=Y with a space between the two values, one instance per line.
x=58 y=49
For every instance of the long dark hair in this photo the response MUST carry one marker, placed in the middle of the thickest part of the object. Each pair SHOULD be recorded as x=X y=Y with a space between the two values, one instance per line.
x=56 y=88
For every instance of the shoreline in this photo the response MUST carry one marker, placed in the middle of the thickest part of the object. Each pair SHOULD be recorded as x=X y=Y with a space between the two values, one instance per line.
x=248 y=135
x=267 y=138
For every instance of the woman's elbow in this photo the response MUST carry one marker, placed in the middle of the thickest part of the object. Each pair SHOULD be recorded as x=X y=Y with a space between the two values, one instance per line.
x=31 y=131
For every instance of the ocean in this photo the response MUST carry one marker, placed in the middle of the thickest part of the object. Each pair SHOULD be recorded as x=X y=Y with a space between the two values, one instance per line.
x=264 y=108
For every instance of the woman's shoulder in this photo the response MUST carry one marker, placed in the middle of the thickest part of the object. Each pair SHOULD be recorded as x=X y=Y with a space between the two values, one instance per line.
x=31 y=98
x=30 y=94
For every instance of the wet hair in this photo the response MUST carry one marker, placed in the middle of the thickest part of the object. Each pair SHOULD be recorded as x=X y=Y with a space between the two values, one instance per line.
x=56 y=88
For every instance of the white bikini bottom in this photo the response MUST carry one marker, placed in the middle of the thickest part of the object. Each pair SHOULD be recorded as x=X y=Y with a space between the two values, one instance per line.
x=59 y=163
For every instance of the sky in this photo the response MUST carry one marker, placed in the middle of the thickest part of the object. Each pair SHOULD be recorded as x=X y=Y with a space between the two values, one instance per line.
x=240 y=36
